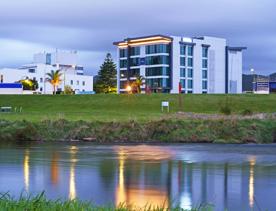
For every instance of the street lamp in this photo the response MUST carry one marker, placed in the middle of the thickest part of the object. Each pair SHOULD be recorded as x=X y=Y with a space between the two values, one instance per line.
x=254 y=86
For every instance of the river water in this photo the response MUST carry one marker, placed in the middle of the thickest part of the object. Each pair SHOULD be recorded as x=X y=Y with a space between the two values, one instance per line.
x=236 y=177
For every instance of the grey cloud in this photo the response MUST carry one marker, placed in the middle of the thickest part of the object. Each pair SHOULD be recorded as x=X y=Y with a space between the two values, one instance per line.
x=92 y=25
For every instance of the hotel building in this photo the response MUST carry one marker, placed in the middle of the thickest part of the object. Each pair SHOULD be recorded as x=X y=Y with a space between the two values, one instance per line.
x=170 y=63
x=43 y=63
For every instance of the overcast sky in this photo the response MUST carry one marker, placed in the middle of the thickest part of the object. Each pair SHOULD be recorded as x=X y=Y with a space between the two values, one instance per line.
x=91 y=26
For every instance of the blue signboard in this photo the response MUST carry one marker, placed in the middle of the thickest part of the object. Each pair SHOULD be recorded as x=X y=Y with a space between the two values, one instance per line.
x=11 y=86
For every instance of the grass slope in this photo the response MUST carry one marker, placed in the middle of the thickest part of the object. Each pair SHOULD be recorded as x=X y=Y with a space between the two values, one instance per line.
x=126 y=107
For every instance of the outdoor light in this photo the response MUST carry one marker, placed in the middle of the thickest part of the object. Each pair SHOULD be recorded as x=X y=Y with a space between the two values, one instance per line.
x=128 y=88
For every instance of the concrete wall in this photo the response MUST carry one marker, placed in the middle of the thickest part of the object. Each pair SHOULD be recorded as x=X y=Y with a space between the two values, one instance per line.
x=235 y=72
x=175 y=65
x=11 y=91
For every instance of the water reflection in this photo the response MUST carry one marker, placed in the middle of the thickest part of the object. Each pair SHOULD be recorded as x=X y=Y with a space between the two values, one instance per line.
x=55 y=168
x=121 y=193
x=132 y=188
x=140 y=175
x=72 y=182
x=251 y=182
x=26 y=170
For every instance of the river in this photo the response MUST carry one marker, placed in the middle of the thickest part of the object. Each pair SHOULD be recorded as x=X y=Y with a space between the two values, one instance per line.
x=233 y=177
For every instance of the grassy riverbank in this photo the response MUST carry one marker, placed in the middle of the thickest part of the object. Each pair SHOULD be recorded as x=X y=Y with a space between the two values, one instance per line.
x=107 y=108
x=40 y=203
x=166 y=131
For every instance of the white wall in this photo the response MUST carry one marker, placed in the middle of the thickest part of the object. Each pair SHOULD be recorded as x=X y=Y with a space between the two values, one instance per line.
x=217 y=61
x=175 y=66
x=13 y=75
x=11 y=91
x=235 y=72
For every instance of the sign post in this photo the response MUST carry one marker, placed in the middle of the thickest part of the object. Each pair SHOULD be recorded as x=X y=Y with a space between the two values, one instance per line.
x=165 y=104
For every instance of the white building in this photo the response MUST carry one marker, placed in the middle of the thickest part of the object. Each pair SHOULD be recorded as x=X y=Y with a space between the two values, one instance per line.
x=200 y=65
x=67 y=62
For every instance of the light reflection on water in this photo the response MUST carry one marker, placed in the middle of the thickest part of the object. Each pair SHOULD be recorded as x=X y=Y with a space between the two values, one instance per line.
x=227 y=176
x=26 y=170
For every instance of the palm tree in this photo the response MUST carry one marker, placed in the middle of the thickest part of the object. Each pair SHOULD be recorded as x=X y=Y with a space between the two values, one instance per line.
x=54 y=78
x=139 y=82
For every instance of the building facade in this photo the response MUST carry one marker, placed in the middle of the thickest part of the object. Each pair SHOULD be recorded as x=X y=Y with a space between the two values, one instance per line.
x=170 y=64
x=66 y=62
x=264 y=84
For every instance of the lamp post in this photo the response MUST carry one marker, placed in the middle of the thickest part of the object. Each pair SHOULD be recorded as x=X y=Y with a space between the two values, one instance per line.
x=253 y=80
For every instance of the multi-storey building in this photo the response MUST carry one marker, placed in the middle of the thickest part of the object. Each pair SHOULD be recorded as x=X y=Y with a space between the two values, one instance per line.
x=170 y=63
x=66 y=62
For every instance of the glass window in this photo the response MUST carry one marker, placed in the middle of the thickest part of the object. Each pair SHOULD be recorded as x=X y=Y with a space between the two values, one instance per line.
x=190 y=73
x=204 y=52
x=190 y=62
x=134 y=51
x=1 y=79
x=123 y=84
x=134 y=61
x=41 y=80
x=182 y=50
x=204 y=74
x=182 y=61
x=182 y=72
x=78 y=83
x=158 y=71
x=72 y=82
x=204 y=84
x=158 y=82
x=48 y=58
x=153 y=60
x=183 y=83
x=190 y=50
x=123 y=53
x=31 y=70
x=134 y=72
x=190 y=91
x=161 y=48
x=83 y=83
x=204 y=63
x=123 y=63
x=190 y=84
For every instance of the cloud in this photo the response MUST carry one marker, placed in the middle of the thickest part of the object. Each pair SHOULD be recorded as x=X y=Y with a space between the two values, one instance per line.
x=90 y=26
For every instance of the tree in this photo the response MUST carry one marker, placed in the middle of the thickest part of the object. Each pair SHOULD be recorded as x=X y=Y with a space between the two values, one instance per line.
x=140 y=80
x=107 y=80
x=68 y=90
x=29 y=84
x=54 y=78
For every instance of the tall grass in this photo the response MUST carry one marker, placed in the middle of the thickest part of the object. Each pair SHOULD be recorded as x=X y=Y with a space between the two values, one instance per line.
x=41 y=203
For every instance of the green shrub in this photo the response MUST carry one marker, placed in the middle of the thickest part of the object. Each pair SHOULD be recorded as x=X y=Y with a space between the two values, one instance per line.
x=225 y=107
x=247 y=112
